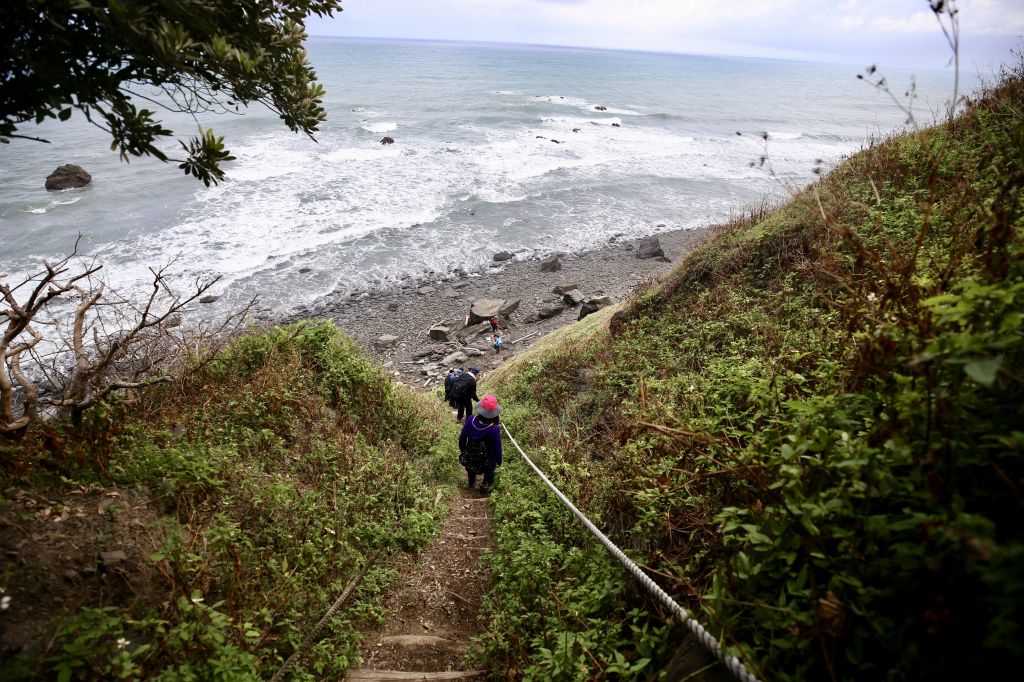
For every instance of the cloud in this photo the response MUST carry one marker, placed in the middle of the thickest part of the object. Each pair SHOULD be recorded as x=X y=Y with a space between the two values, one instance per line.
x=847 y=30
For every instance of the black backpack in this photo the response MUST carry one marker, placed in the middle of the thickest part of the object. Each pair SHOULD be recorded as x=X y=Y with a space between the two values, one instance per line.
x=462 y=388
x=475 y=457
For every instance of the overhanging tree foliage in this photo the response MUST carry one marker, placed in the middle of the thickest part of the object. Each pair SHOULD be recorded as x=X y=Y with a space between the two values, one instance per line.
x=106 y=57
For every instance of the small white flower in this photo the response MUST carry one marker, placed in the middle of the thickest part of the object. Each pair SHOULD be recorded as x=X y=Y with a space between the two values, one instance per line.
x=5 y=602
x=122 y=643
x=693 y=388
x=871 y=296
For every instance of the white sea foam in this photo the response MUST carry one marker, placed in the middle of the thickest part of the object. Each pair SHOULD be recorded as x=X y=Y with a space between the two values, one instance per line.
x=385 y=127
x=784 y=136
x=53 y=204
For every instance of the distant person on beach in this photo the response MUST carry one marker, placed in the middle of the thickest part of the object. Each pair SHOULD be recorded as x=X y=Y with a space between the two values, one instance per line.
x=494 y=324
x=480 y=443
x=497 y=343
x=464 y=393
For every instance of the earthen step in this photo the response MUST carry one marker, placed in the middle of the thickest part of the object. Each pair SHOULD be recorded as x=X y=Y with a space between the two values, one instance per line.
x=385 y=675
x=419 y=641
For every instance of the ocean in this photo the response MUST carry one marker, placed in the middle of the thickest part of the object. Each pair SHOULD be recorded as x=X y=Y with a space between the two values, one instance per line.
x=474 y=169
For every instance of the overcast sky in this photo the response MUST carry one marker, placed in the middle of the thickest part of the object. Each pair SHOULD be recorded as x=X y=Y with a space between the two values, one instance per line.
x=896 y=32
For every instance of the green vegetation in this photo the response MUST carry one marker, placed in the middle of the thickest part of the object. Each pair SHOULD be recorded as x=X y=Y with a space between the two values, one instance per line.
x=810 y=433
x=281 y=466
x=102 y=57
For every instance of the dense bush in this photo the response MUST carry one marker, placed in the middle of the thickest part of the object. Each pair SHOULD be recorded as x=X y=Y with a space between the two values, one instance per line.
x=810 y=432
x=281 y=466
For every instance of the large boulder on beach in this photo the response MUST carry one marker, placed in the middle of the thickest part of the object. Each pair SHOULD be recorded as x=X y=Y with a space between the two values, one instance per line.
x=68 y=176
x=503 y=256
x=563 y=289
x=649 y=248
x=440 y=332
x=593 y=304
x=574 y=297
x=386 y=341
x=455 y=359
x=551 y=264
x=477 y=329
x=483 y=309
x=550 y=311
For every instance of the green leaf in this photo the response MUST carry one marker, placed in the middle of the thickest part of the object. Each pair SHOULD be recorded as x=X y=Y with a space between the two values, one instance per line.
x=983 y=370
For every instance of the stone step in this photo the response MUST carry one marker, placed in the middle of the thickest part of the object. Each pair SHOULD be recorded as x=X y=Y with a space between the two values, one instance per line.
x=402 y=676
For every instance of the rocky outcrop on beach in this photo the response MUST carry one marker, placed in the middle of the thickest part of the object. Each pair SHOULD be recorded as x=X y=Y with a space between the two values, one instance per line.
x=573 y=297
x=503 y=256
x=592 y=304
x=551 y=264
x=68 y=176
x=649 y=248
x=402 y=328
x=484 y=309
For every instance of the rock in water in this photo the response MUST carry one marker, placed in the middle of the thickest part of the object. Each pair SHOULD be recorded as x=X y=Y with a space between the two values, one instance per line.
x=68 y=176
x=387 y=140
x=502 y=256
x=600 y=107
x=209 y=299
x=551 y=264
x=649 y=248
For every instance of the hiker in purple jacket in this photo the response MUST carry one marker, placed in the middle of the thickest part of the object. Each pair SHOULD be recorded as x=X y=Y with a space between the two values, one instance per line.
x=480 y=442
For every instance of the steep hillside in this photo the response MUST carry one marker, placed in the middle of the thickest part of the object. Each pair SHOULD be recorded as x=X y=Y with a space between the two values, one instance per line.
x=199 y=534
x=810 y=434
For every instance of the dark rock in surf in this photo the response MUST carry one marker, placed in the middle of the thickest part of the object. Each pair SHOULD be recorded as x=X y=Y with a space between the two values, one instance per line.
x=600 y=107
x=502 y=256
x=68 y=176
x=387 y=140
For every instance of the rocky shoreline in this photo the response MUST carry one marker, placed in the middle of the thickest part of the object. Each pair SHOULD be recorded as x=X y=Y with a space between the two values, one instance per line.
x=394 y=326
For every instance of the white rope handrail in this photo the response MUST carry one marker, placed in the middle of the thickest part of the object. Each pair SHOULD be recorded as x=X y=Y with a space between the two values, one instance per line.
x=732 y=664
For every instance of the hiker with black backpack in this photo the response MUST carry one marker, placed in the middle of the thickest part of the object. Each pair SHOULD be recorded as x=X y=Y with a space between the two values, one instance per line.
x=480 y=443
x=463 y=393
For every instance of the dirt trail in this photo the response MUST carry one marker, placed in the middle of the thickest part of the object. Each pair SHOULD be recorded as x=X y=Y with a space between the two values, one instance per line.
x=433 y=607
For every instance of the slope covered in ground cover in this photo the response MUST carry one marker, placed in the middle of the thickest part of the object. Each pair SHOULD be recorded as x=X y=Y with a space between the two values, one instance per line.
x=810 y=433
x=241 y=498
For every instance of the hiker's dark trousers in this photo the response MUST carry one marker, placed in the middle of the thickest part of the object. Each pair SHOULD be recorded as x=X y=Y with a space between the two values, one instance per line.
x=488 y=476
x=465 y=405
